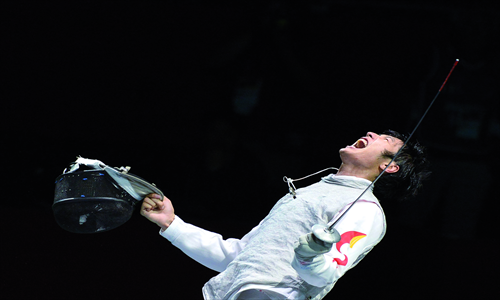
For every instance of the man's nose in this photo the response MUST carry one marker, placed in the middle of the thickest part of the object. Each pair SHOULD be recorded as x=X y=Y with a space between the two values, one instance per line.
x=372 y=135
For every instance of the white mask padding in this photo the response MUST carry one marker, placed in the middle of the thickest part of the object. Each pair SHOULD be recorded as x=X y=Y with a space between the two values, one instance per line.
x=137 y=187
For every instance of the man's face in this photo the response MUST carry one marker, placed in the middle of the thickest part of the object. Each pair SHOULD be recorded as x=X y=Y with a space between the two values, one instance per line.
x=366 y=152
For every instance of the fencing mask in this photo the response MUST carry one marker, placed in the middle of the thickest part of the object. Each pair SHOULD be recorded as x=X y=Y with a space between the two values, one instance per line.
x=92 y=197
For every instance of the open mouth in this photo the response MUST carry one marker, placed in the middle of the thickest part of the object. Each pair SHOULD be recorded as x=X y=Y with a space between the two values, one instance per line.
x=360 y=144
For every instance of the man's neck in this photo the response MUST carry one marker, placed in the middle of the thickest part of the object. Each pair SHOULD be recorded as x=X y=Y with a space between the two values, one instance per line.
x=347 y=170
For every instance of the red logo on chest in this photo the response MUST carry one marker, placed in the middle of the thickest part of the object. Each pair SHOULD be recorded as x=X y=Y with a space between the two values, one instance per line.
x=351 y=238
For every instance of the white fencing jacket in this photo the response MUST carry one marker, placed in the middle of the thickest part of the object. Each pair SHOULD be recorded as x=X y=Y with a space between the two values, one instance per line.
x=264 y=258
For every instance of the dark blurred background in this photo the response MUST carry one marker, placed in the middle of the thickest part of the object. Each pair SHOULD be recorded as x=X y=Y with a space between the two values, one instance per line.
x=215 y=103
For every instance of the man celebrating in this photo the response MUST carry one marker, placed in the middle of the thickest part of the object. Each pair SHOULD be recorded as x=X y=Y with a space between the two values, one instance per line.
x=277 y=259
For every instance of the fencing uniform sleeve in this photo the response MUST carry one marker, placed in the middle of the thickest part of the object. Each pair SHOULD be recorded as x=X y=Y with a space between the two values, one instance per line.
x=360 y=229
x=206 y=247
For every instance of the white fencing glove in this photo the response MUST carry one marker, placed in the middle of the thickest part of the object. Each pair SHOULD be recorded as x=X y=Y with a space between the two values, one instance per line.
x=308 y=247
x=309 y=260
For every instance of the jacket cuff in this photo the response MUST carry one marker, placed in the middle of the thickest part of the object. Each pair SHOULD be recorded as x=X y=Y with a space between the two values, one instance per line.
x=174 y=229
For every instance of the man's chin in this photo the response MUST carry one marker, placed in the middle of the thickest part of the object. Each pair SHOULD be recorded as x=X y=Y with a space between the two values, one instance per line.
x=347 y=148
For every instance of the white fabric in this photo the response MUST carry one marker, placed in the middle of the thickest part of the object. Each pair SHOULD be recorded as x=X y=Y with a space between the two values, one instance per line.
x=91 y=163
x=264 y=258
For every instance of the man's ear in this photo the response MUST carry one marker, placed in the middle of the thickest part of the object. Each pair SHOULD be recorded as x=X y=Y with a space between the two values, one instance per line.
x=393 y=168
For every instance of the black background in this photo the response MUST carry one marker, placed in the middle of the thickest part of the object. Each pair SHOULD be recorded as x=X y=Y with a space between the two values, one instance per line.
x=152 y=85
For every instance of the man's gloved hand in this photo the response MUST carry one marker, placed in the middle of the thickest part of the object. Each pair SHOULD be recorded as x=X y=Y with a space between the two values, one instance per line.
x=309 y=262
x=308 y=247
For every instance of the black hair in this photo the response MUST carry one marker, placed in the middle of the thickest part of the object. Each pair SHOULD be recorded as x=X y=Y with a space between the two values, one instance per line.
x=413 y=169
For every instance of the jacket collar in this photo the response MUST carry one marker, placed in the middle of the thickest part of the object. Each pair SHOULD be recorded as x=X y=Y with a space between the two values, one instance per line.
x=348 y=181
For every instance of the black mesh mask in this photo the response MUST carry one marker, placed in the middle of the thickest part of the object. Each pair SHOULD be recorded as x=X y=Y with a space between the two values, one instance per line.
x=91 y=197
